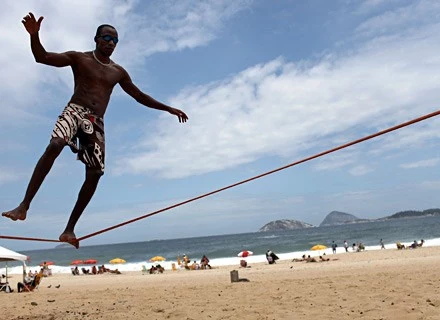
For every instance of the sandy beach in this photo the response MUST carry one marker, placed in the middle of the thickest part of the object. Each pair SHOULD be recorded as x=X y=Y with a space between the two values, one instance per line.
x=386 y=284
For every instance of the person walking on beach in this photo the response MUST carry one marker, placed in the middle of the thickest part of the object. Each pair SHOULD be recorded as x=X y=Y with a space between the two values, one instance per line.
x=334 y=246
x=382 y=246
x=95 y=76
x=346 y=245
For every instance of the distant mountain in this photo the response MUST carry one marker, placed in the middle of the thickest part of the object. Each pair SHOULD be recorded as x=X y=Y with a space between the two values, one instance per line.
x=284 y=224
x=64 y=245
x=335 y=218
x=413 y=214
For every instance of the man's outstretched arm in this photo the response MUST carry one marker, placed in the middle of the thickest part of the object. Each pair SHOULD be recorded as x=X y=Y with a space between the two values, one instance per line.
x=41 y=55
x=128 y=86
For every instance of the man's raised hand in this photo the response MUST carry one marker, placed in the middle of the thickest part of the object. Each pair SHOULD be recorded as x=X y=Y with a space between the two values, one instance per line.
x=179 y=113
x=31 y=24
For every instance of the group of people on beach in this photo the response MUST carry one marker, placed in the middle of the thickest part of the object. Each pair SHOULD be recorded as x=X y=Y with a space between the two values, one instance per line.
x=185 y=263
x=413 y=245
x=311 y=259
x=100 y=270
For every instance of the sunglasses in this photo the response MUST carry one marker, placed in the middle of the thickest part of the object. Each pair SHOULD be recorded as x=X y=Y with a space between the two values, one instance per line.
x=109 y=38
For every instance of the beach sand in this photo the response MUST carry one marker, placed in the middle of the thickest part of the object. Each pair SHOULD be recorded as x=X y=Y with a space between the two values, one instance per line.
x=386 y=284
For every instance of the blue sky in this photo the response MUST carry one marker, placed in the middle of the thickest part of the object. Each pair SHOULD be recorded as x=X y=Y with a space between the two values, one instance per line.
x=264 y=83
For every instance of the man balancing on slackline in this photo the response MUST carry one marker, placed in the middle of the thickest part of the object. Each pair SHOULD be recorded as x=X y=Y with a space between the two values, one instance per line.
x=95 y=76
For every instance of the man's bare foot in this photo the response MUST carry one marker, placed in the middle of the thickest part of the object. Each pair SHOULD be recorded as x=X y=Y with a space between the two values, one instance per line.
x=69 y=237
x=18 y=213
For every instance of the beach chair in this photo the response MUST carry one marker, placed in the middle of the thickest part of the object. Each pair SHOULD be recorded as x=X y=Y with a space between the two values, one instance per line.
x=5 y=287
x=145 y=270
x=29 y=287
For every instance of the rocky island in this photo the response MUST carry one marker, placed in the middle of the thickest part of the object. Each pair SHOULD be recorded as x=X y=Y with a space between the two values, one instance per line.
x=284 y=224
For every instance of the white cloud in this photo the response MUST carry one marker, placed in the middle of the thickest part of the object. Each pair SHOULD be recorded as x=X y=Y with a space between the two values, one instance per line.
x=399 y=20
x=176 y=25
x=288 y=109
x=360 y=170
x=71 y=25
x=421 y=164
x=336 y=161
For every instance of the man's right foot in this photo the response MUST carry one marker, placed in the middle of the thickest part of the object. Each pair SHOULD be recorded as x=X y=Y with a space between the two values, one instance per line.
x=18 y=213
x=70 y=238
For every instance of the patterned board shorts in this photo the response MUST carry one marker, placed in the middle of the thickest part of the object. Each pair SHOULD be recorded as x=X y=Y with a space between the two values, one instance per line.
x=83 y=131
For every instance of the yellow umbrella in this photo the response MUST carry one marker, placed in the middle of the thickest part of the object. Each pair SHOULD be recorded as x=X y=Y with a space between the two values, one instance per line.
x=157 y=258
x=117 y=261
x=318 y=247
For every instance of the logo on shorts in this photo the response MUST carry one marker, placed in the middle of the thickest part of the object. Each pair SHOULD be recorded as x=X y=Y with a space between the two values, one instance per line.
x=87 y=126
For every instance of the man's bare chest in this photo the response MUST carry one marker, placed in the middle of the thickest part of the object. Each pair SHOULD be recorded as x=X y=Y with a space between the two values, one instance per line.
x=93 y=73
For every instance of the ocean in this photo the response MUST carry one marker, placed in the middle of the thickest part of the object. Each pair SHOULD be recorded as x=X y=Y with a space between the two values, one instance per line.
x=223 y=249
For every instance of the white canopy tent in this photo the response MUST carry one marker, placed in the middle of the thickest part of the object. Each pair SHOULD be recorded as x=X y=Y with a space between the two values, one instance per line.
x=9 y=255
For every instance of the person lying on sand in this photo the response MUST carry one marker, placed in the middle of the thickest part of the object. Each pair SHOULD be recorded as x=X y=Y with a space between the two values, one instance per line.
x=299 y=260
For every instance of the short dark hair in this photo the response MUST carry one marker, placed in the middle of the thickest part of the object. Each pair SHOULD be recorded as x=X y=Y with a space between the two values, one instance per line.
x=102 y=26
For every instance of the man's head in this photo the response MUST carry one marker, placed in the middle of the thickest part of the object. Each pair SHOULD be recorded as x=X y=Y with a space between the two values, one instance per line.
x=106 y=39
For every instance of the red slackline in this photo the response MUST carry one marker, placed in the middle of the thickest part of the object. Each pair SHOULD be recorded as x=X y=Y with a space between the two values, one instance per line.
x=405 y=124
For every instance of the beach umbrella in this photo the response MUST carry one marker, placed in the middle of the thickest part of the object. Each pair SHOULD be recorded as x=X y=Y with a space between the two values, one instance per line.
x=318 y=247
x=76 y=262
x=117 y=261
x=48 y=263
x=157 y=258
x=90 y=261
x=245 y=253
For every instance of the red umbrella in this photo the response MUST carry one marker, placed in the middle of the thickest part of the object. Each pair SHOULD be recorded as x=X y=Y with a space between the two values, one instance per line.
x=48 y=263
x=77 y=262
x=245 y=253
x=90 y=261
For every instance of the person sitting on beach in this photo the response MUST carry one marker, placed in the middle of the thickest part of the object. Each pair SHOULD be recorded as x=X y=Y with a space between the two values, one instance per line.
x=204 y=262
x=94 y=270
x=159 y=268
x=400 y=246
x=310 y=259
x=414 y=245
x=103 y=269
x=360 y=247
x=421 y=242
x=195 y=266
x=152 y=270
x=21 y=286
x=271 y=257
x=30 y=285
x=322 y=259
x=186 y=261
x=116 y=271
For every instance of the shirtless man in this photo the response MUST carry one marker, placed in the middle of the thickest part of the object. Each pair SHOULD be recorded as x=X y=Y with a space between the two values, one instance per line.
x=95 y=76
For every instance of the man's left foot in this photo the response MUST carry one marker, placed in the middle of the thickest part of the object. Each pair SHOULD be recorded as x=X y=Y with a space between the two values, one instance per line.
x=18 y=213
x=69 y=237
